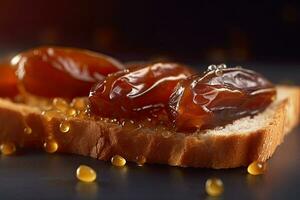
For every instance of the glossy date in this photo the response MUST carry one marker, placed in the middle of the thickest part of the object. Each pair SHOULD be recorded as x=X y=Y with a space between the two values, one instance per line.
x=218 y=97
x=62 y=72
x=8 y=81
x=138 y=92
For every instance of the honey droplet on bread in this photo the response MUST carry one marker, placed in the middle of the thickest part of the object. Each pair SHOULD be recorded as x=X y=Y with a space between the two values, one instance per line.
x=8 y=148
x=118 y=161
x=214 y=187
x=50 y=146
x=140 y=160
x=27 y=130
x=257 y=168
x=86 y=174
x=60 y=104
x=71 y=112
x=65 y=126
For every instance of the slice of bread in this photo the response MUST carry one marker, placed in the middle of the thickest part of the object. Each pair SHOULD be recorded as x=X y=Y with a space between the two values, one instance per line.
x=234 y=145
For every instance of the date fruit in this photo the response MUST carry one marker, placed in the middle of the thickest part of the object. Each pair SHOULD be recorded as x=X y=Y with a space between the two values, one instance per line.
x=62 y=72
x=218 y=97
x=8 y=81
x=138 y=92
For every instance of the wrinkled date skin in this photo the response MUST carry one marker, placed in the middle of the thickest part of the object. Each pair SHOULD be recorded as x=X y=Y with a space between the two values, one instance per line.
x=62 y=72
x=8 y=81
x=208 y=100
x=138 y=92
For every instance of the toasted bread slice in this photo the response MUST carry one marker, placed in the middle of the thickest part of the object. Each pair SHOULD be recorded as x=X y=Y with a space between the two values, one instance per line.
x=237 y=144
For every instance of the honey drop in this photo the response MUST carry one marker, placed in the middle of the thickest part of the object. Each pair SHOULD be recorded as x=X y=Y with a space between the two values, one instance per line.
x=71 y=112
x=214 y=187
x=60 y=104
x=257 y=168
x=50 y=146
x=64 y=126
x=27 y=130
x=118 y=161
x=140 y=160
x=86 y=174
x=8 y=148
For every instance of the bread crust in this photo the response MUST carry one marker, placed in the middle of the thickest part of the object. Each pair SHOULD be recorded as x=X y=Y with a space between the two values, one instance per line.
x=102 y=139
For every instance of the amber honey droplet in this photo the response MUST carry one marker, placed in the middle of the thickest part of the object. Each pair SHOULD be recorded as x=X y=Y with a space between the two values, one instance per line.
x=65 y=126
x=118 y=161
x=27 y=130
x=71 y=112
x=257 y=168
x=8 y=148
x=214 y=187
x=86 y=174
x=50 y=114
x=79 y=104
x=50 y=146
x=60 y=104
x=140 y=160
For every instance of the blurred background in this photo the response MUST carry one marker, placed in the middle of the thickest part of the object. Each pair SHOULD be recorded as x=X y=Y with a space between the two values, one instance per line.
x=196 y=32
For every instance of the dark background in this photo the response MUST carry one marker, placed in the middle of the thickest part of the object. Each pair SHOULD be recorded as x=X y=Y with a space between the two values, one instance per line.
x=188 y=31
x=264 y=35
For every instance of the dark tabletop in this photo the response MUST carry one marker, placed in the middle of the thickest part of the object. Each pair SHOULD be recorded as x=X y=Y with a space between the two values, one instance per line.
x=35 y=175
